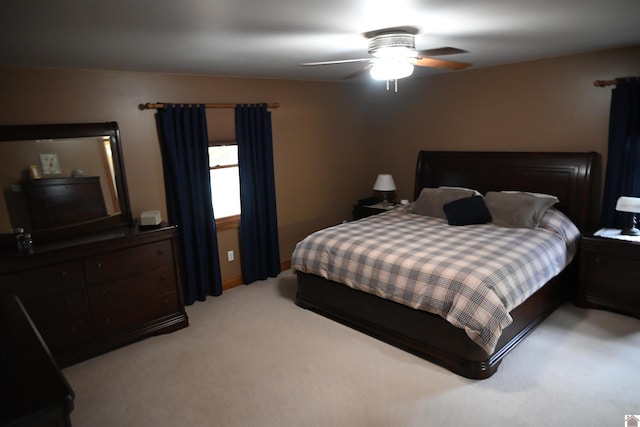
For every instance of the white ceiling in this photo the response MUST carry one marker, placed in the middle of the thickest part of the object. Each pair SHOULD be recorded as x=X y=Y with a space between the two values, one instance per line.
x=269 y=38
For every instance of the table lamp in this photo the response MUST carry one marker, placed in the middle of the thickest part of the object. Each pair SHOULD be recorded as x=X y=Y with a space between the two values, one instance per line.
x=385 y=185
x=630 y=205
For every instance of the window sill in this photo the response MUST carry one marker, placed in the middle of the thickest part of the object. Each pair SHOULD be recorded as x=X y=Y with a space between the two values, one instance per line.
x=228 y=223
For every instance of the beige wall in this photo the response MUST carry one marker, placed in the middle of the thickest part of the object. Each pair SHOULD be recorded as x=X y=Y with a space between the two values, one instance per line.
x=546 y=105
x=319 y=133
x=331 y=139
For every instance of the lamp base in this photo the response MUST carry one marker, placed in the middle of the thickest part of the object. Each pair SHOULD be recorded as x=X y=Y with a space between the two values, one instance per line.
x=385 y=199
x=630 y=231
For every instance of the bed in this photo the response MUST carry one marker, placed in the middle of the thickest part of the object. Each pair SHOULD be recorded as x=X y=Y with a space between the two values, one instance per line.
x=572 y=177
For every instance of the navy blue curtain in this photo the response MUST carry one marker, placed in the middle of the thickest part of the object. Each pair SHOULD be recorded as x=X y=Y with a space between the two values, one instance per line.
x=183 y=135
x=623 y=161
x=258 y=217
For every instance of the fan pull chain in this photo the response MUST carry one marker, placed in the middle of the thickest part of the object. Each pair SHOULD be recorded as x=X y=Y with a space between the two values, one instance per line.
x=395 y=82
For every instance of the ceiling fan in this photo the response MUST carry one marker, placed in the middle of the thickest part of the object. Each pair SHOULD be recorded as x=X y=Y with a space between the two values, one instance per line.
x=393 y=55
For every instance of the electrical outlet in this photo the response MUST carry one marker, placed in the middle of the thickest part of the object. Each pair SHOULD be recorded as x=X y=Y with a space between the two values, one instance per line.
x=230 y=256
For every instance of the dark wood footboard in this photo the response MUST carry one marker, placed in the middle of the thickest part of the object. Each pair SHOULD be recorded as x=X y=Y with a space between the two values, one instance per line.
x=424 y=334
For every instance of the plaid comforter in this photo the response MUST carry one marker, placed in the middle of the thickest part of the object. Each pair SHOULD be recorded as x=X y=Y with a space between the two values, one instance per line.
x=472 y=276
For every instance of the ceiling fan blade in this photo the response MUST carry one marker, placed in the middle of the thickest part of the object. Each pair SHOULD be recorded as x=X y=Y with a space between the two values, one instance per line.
x=358 y=73
x=340 y=61
x=441 y=51
x=440 y=63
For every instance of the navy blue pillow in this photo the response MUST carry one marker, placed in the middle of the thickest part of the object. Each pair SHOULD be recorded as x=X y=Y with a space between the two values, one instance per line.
x=467 y=211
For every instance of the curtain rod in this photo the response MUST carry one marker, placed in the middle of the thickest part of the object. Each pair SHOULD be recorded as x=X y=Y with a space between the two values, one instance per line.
x=160 y=105
x=603 y=83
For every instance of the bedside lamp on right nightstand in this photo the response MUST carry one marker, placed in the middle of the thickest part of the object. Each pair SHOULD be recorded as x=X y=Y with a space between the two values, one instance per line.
x=631 y=205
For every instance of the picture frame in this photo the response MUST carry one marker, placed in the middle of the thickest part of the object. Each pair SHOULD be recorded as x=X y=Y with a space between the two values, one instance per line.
x=34 y=172
x=50 y=164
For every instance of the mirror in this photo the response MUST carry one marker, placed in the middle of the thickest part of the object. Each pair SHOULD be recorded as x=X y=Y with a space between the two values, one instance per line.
x=63 y=179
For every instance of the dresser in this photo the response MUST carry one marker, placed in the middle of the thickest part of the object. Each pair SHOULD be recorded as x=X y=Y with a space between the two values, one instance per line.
x=100 y=291
x=55 y=202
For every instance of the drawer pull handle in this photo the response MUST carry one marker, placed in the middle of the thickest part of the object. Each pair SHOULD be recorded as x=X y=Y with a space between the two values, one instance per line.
x=163 y=277
x=165 y=302
x=103 y=293
x=159 y=252
x=99 y=265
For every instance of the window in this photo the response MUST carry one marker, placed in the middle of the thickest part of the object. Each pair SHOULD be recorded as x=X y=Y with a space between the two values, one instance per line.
x=225 y=184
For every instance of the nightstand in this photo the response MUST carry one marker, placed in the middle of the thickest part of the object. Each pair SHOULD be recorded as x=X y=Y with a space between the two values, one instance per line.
x=609 y=275
x=365 y=211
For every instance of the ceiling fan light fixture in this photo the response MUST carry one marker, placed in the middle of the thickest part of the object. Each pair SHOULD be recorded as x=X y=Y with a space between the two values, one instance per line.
x=391 y=70
x=395 y=53
x=391 y=40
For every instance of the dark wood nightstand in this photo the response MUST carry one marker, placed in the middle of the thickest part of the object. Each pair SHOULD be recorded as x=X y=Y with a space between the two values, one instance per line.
x=365 y=211
x=609 y=275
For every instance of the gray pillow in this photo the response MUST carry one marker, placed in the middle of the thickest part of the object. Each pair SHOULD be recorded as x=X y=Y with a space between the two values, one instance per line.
x=518 y=210
x=431 y=200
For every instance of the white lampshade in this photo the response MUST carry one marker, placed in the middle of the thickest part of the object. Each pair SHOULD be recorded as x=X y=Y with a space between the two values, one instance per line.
x=628 y=204
x=384 y=182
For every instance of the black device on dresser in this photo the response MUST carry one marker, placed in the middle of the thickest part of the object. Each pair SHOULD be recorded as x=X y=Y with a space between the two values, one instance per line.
x=90 y=282
x=609 y=275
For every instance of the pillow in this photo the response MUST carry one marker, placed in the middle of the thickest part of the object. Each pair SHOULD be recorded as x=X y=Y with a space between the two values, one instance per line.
x=431 y=200
x=467 y=211
x=532 y=194
x=518 y=210
x=475 y=192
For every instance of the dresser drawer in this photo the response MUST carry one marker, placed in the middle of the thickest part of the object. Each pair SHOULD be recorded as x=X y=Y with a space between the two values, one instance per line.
x=58 y=309
x=132 y=290
x=134 y=316
x=119 y=264
x=43 y=282
x=63 y=337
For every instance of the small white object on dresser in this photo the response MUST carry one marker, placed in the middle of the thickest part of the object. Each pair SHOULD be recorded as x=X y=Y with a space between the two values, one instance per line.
x=150 y=218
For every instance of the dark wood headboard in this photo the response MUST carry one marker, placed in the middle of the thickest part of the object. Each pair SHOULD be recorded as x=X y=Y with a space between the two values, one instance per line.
x=572 y=177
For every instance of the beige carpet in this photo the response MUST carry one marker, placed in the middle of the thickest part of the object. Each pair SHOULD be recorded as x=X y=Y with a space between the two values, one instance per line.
x=253 y=358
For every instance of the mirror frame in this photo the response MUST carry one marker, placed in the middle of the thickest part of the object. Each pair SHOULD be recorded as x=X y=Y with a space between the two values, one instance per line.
x=79 y=130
